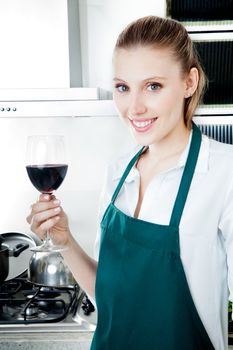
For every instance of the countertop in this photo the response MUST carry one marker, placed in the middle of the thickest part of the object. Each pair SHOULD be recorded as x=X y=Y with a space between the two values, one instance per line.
x=46 y=341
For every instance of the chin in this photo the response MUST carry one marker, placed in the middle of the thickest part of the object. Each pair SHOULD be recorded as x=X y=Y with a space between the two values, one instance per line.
x=145 y=140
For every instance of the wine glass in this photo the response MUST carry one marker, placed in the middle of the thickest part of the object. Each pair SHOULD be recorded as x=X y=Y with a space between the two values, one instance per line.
x=46 y=167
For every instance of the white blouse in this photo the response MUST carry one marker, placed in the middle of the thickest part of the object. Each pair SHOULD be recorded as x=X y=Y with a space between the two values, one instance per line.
x=206 y=227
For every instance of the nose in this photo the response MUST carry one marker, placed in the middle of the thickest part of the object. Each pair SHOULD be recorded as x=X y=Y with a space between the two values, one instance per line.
x=136 y=105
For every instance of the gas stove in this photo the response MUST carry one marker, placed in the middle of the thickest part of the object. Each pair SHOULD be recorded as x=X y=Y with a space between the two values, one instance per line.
x=25 y=307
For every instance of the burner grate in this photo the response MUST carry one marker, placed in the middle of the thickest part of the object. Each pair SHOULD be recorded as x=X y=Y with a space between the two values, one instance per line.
x=22 y=302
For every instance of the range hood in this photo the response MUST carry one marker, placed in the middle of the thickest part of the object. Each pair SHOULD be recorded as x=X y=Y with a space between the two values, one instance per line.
x=42 y=103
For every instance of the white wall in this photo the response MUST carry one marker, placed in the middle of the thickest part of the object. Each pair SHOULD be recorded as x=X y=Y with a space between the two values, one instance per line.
x=34 y=44
x=101 y=23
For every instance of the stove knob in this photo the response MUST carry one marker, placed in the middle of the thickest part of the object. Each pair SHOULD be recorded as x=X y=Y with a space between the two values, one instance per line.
x=2 y=109
x=14 y=109
x=8 y=109
x=86 y=311
x=90 y=305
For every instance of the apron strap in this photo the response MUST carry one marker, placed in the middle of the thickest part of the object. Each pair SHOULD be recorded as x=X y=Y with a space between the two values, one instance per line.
x=186 y=177
x=125 y=174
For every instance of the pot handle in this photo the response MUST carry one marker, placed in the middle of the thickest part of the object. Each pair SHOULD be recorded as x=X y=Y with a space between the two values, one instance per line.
x=18 y=249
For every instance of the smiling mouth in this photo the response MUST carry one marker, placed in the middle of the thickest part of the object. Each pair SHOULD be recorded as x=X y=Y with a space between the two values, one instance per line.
x=142 y=125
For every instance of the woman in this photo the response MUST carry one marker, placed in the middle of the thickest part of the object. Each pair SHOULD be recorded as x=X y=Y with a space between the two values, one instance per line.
x=166 y=235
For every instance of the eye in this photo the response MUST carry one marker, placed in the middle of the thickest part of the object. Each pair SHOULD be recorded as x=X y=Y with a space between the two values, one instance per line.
x=153 y=86
x=121 y=87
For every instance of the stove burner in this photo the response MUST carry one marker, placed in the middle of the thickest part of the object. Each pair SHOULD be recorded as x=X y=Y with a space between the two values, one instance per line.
x=10 y=288
x=23 y=302
x=33 y=313
x=32 y=310
x=46 y=292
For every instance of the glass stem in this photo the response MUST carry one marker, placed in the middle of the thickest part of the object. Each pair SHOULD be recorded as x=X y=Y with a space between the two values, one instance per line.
x=47 y=241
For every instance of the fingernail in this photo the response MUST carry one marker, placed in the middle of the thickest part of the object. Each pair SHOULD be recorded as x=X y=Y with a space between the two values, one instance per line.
x=56 y=201
x=57 y=209
x=46 y=197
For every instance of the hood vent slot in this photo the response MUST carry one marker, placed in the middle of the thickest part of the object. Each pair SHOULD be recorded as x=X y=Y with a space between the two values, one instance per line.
x=221 y=132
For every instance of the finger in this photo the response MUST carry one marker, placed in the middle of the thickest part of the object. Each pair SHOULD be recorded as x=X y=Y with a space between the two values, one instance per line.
x=29 y=219
x=46 y=197
x=39 y=227
x=44 y=202
x=46 y=226
x=45 y=215
x=42 y=206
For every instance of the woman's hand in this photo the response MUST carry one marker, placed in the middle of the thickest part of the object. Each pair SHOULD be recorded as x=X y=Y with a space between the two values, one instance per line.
x=47 y=214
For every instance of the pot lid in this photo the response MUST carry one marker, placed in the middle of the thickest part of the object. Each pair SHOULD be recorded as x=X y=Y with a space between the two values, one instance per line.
x=18 y=265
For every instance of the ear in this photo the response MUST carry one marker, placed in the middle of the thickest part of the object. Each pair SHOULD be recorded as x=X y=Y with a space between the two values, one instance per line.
x=191 y=82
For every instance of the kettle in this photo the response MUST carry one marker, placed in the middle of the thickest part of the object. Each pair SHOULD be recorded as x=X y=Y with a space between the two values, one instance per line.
x=49 y=269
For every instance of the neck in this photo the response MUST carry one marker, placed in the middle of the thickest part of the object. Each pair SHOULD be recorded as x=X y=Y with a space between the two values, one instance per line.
x=172 y=144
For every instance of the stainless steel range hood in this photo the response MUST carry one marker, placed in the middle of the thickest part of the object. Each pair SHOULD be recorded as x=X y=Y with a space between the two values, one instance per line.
x=43 y=103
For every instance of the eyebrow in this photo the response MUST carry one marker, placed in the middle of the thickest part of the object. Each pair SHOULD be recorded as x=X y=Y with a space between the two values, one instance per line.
x=149 y=78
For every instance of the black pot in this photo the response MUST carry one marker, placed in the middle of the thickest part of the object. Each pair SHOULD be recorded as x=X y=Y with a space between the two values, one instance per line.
x=5 y=253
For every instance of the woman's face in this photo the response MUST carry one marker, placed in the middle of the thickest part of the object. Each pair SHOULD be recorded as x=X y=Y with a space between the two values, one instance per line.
x=149 y=92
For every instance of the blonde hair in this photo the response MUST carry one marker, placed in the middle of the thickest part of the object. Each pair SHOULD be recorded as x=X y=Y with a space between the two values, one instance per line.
x=168 y=33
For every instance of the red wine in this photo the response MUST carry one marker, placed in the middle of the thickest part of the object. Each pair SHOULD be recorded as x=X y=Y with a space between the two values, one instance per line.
x=47 y=177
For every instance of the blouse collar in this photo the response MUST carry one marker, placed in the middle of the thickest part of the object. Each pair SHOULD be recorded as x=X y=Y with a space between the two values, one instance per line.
x=202 y=165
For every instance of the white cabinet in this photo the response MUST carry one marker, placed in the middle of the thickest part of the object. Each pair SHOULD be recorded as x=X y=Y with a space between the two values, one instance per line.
x=34 y=44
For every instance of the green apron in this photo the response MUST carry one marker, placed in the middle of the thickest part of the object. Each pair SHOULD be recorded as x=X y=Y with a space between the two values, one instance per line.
x=142 y=295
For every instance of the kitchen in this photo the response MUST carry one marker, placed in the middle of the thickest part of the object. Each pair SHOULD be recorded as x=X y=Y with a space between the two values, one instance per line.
x=42 y=68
